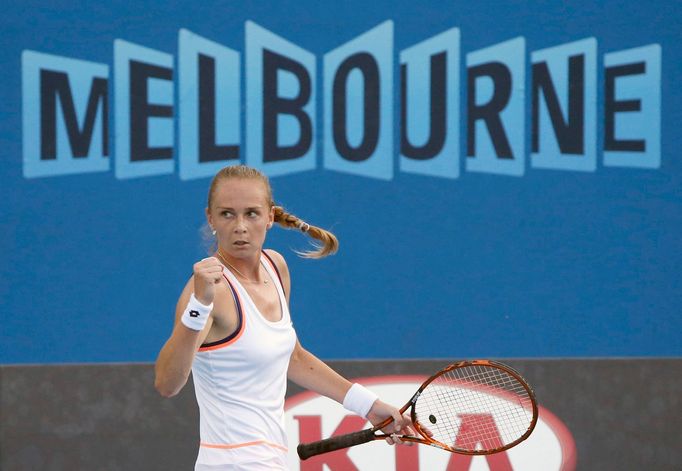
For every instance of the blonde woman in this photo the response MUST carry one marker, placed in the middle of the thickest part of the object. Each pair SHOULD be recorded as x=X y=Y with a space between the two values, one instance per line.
x=234 y=332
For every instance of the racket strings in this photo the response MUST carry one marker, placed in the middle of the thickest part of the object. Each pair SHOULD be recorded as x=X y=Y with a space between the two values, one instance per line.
x=475 y=408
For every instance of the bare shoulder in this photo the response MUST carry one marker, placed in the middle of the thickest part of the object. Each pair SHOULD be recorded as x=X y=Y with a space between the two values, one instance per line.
x=282 y=268
x=278 y=260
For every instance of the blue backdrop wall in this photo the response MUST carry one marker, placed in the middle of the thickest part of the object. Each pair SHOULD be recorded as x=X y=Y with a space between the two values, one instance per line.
x=527 y=204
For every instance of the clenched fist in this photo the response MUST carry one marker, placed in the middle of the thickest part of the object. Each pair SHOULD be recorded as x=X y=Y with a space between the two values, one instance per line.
x=207 y=273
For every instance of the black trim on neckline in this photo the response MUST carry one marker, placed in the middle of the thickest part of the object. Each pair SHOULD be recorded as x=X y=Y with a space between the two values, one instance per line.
x=239 y=315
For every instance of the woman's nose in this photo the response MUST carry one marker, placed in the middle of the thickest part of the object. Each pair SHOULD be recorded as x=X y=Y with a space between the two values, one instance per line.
x=240 y=226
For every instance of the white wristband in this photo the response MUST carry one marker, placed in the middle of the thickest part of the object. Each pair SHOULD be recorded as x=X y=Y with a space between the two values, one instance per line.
x=196 y=314
x=359 y=399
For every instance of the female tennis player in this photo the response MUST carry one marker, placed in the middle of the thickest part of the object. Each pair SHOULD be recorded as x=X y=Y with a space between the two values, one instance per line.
x=234 y=332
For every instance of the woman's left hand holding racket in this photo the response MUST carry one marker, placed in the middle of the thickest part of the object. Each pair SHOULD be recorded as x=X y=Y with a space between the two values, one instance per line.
x=401 y=424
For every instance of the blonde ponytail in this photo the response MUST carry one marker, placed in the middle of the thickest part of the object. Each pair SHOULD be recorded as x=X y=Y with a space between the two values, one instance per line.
x=327 y=244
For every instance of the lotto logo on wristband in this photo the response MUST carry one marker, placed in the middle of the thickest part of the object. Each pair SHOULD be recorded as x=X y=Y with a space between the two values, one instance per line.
x=196 y=314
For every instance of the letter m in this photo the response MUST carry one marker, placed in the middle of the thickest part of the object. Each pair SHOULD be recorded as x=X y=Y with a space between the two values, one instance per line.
x=65 y=115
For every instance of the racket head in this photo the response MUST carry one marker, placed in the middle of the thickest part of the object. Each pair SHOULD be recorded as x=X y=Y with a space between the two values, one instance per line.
x=475 y=407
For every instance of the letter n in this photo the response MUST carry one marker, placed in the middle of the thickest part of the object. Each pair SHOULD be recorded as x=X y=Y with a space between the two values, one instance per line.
x=564 y=107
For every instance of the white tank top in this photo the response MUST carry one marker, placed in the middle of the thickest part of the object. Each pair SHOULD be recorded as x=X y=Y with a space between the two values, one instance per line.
x=240 y=383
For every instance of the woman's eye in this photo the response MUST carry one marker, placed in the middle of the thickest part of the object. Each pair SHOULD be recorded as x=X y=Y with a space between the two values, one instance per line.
x=226 y=214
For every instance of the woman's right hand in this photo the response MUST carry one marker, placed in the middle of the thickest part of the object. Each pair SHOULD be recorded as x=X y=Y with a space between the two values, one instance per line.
x=207 y=274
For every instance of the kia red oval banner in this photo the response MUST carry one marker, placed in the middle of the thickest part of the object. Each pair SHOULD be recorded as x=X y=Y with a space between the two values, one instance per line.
x=310 y=417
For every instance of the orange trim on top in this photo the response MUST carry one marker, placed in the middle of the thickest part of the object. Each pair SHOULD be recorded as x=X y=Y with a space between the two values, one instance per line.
x=242 y=445
x=241 y=328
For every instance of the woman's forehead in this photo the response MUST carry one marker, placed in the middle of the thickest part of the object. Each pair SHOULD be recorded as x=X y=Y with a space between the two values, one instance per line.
x=231 y=191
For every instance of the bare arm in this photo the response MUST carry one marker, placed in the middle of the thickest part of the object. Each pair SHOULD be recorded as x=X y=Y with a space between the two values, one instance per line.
x=309 y=372
x=305 y=369
x=174 y=362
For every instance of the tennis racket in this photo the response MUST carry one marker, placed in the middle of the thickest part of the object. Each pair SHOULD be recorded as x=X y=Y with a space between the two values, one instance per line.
x=474 y=407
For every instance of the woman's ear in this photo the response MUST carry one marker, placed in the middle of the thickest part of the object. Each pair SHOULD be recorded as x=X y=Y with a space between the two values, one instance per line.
x=272 y=217
x=209 y=219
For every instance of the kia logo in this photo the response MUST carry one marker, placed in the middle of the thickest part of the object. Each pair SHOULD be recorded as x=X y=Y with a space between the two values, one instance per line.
x=310 y=417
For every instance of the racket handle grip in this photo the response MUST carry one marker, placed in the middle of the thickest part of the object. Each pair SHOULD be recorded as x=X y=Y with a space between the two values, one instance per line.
x=306 y=450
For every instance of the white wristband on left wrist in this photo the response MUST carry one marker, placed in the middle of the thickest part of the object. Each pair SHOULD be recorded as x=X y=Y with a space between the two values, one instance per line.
x=359 y=400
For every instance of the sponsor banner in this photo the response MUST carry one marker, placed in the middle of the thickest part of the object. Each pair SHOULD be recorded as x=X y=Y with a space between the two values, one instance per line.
x=61 y=135
x=619 y=414
x=310 y=417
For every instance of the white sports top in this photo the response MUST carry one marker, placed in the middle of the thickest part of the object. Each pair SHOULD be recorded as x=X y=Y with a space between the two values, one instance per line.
x=240 y=383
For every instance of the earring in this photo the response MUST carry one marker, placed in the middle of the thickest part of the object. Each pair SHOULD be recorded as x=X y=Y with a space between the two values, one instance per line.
x=213 y=231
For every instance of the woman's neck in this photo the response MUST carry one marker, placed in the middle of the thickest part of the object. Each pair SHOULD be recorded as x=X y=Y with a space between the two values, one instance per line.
x=248 y=270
